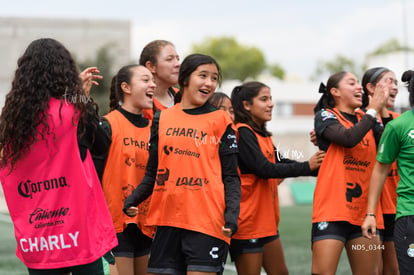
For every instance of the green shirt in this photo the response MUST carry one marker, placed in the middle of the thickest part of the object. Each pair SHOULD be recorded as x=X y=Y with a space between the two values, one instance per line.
x=397 y=142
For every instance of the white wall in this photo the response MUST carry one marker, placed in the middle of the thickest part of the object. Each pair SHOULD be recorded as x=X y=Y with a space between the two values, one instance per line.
x=82 y=37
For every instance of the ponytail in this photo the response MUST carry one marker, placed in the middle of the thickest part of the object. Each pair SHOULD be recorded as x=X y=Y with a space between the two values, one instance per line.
x=116 y=96
x=327 y=100
x=408 y=79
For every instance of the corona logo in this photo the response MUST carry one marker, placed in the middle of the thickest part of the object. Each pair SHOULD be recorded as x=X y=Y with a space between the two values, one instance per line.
x=29 y=188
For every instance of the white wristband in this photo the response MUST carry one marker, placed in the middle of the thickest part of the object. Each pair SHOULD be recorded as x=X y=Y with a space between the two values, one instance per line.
x=371 y=112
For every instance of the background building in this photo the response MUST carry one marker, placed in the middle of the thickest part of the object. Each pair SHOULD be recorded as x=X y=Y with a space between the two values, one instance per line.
x=81 y=36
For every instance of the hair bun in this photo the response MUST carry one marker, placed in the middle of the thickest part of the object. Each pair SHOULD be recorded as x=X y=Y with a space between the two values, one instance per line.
x=407 y=76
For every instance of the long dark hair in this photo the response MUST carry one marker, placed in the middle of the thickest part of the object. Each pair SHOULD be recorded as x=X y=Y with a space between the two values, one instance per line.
x=45 y=70
x=408 y=79
x=246 y=92
x=189 y=65
x=327 y=100
x=116 y=94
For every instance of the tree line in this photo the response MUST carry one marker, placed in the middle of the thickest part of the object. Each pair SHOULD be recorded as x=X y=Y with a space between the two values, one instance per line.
x=238 y=62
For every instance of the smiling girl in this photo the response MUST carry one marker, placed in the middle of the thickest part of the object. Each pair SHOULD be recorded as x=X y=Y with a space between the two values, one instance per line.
x=349 y=137
x=132 y=91
x=161 y=58
x=396 y=144
x=257 y=241
x=371 y=78
x=192 y=176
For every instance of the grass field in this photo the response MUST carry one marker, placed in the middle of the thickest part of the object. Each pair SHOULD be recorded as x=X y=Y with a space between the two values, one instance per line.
x=295 y=228
x=9 y=263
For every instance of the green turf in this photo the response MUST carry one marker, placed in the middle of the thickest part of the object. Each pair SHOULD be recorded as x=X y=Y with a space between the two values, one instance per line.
x=295 y=230
x=9 y=263
x=295 y=233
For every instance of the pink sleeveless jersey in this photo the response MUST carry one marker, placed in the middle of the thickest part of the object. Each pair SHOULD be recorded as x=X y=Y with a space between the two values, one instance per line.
x=55 y=200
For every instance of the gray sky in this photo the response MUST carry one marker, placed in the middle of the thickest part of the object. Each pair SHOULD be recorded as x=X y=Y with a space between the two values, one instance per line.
x=295 y=34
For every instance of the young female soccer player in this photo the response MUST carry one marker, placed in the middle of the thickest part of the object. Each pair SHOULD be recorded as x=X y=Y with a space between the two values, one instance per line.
x=396 y=144
x=222 y=101
x=132 y=92
x=192 y=176
x=161 y=58
x=48 y=130
x=371 y=78
x=348 y=135
x=257 y=241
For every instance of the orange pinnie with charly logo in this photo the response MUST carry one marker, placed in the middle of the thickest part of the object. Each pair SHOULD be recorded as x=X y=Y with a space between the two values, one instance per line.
x=341 y=192
x=124 y=170
x=189 y=170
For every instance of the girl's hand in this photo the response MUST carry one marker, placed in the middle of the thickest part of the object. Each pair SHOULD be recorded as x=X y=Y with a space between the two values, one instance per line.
x=316 y=160
x=312 y=135
x=89 y=77
x=369 y=227
x=132 y=211
x=380 y=97
x=227 y=231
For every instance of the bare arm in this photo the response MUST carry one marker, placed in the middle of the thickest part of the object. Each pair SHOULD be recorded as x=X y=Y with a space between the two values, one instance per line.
x=378 y=177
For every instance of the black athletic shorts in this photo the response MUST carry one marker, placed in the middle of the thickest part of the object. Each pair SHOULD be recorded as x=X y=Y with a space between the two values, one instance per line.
x=238 y=247
x=404 y=244
x=98 y=267
x=389 y=221
x=176 y=251
x=341 y=230
x=132 y=242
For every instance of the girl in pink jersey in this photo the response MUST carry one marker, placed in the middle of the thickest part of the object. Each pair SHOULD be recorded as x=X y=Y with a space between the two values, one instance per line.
x=48 y=129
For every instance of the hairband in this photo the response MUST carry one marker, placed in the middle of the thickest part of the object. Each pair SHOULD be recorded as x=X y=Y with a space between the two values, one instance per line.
x=377 y=73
